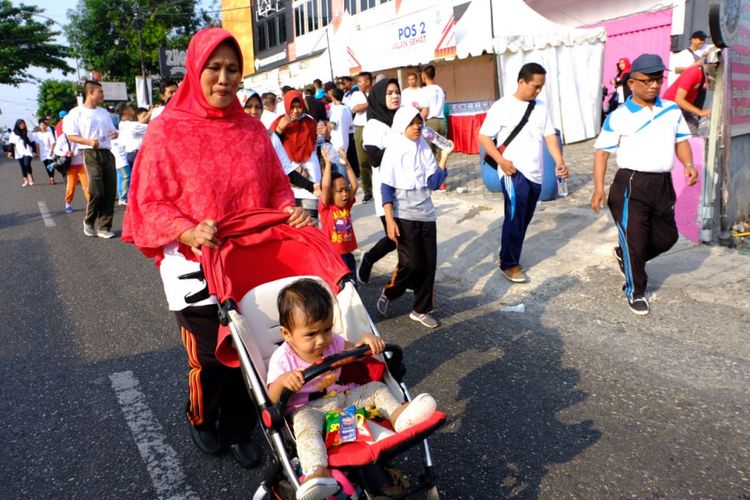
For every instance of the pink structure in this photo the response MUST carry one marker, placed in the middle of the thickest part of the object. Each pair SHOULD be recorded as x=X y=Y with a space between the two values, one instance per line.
x=635 y=35
x=689 y=197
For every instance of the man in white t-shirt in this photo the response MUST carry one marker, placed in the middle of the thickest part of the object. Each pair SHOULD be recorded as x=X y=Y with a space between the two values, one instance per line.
x=339 y=122
x=269 y=110
x=433 y=98
x=521 y=164
x=91 y=127
x=412 y=94
x=167 y=88
x=357 y=102
x=682 y=60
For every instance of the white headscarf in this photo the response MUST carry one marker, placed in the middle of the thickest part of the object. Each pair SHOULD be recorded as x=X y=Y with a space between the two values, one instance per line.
x=406 y=164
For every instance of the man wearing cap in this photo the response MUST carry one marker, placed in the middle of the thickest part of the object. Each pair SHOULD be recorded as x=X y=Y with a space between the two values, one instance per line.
x=646 y=132
x=692 y=55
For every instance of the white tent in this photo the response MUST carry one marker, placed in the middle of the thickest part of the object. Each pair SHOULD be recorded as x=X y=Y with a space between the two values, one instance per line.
x=416 y=34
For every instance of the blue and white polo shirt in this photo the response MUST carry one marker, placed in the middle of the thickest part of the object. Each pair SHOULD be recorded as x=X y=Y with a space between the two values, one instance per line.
x=644 y=138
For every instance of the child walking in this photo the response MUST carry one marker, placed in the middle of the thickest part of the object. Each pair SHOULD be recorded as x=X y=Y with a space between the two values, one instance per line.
x=335 y=209
x=408 y=175
x=306 y=320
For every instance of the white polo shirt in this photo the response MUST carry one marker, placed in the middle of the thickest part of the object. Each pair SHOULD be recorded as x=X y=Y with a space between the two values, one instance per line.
x=526 y=151
x=358 y=97
x=644 y=138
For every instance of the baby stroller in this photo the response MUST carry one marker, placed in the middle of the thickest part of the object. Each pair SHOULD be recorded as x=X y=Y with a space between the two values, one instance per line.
x=259 y=255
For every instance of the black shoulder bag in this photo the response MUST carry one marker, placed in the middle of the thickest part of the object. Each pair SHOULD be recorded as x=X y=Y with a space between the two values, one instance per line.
x=490 y=161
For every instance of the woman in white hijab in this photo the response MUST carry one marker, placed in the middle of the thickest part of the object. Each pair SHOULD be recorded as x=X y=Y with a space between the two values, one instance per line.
x=408 y=175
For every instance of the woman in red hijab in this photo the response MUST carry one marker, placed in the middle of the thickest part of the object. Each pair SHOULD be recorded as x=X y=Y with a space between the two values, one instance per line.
x=202 y=159
x=298 y=133
x=619 y=84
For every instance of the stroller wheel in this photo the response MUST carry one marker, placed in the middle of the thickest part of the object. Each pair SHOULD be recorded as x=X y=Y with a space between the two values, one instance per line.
x=432 y=494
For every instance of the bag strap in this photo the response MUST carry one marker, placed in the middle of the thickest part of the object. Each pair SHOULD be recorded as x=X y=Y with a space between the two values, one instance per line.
x=521 y=124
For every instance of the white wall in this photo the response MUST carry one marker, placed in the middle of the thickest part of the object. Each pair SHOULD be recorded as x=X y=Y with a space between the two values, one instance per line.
x=575 y=13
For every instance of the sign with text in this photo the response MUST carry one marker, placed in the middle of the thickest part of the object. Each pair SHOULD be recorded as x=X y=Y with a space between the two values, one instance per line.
x=172 y=63
x=115 y=91
x=408 y=40
x=739 y=71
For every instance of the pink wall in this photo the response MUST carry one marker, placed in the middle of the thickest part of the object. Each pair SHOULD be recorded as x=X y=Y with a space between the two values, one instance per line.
x=635 y=35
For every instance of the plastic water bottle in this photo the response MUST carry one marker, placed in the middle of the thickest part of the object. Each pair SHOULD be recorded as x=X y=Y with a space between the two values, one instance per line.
x=438 y=140
x=562 y=187
x=330 y=151
x=321 y=137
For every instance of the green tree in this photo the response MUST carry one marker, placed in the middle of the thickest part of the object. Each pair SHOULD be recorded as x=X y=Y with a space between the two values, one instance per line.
x=27 y=42
x=55 y=96
x=104 y=34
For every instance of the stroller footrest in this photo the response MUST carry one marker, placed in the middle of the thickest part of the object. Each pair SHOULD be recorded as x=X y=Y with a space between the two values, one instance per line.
x=358 y=453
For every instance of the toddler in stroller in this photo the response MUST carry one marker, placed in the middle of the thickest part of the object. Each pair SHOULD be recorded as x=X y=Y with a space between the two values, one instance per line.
x=306 y=321
x=251 y=333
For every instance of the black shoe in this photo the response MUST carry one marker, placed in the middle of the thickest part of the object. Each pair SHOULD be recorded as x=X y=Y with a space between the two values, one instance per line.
x=621 y=265
x=639 y=306
x=247 y=454
x=206 y=439
x=367 y=198
x=364 y=268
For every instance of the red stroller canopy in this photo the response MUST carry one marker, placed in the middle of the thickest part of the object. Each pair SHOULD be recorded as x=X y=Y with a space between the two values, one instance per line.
x=258 y=247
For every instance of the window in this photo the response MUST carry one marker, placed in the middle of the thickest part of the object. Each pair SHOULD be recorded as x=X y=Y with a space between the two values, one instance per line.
x=270 y=24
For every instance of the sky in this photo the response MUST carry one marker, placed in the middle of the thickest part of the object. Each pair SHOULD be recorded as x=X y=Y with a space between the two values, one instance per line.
x=20 y=102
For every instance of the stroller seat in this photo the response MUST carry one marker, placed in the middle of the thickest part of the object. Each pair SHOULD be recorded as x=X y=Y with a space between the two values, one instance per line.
x=262 y=335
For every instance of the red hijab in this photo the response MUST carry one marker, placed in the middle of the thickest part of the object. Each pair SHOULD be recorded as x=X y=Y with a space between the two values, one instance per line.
x=626 y=69
x=199 y=162
x=300 y=136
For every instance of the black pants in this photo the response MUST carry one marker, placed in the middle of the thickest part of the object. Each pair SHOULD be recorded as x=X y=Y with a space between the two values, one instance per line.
x=100 y=167
x=417 y=261
x=25 y=163
x=49 y=168
x=383 y=247
x=642 y=205
x=351 y=155
x=218 y=394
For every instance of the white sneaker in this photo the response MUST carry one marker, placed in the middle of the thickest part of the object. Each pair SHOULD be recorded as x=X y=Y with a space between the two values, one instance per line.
x=419 y=410
x=88 y=230
x=318 y=488
x=105 y=234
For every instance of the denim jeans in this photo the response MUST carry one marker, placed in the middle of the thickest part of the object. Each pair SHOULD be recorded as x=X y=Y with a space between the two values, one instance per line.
x=123 y=182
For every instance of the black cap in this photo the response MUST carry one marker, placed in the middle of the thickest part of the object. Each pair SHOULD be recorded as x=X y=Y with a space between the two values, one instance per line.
x=701 y=35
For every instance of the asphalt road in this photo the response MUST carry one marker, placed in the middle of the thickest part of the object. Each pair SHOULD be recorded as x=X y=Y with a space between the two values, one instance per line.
x=570 y=399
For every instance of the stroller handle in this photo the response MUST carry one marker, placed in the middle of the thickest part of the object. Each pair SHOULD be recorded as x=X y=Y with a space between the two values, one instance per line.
x=338 y=360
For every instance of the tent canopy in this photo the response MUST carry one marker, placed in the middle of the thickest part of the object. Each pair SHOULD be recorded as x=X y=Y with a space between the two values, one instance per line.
x=407 y=33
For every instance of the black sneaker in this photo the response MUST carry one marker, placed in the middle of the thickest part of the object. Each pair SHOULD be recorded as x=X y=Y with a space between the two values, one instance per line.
x=639 y=306
x=620 y=263
x=364 y=268
x=367 y=198
x=205 y=439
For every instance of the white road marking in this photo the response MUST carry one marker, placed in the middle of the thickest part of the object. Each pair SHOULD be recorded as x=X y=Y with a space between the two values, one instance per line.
x=45 y=214
x=161 y=460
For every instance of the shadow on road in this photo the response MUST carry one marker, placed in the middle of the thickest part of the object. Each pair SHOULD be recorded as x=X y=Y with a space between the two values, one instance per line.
x=500 y=377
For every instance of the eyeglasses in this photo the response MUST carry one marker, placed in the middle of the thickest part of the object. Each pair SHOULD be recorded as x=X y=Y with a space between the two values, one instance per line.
x=650 y=81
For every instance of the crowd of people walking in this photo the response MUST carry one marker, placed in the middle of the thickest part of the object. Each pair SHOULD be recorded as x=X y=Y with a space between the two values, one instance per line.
x=308 y=152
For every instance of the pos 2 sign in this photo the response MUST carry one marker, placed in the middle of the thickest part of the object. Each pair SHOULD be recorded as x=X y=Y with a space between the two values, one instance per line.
x=411 y=34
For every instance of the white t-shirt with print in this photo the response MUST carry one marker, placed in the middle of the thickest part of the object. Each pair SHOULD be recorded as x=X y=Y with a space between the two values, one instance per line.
x=526 y=151
x=90 y=124
x=434 y=98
